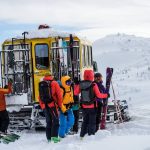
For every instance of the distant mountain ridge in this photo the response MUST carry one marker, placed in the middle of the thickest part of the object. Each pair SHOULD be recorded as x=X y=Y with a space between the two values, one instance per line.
x=122 y=42
x=130 y=57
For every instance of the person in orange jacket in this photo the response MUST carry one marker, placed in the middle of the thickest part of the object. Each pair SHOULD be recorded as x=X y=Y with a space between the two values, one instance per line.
x=4 y=118
x=51 y=110
x=89 y=91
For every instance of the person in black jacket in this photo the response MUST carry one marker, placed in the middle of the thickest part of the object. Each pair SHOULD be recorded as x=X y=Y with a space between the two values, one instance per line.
x=98 y=78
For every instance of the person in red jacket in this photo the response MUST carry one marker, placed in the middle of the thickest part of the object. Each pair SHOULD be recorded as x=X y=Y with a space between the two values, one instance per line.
x=51 y=110
x=4 y=118
x=89 y=91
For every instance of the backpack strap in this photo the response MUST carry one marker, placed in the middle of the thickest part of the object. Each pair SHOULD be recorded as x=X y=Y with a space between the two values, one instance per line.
x=49 y=87
x=92 y=85
x=50 y=90
x=64 y=91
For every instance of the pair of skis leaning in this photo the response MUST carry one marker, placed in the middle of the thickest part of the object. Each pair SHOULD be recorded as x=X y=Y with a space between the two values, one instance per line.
x=109 y=73
x=7 y=138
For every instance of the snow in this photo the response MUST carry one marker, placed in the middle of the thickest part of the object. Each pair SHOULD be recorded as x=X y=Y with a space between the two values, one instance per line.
x=129 y=56
x=44 y=33
x=126 y=137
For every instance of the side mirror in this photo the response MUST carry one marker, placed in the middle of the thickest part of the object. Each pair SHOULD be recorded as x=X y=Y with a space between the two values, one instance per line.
x=95 y=68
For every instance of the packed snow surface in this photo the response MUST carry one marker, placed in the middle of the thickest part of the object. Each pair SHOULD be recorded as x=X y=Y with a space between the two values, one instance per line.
x=129 y=56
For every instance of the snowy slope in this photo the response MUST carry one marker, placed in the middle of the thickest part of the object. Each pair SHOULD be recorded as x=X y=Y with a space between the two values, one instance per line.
x=129 y=56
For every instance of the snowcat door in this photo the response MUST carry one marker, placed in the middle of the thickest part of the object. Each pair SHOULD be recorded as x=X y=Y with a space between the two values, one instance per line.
x=41 y=65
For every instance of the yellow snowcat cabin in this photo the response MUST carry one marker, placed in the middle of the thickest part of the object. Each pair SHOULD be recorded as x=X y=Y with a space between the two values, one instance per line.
x=27 y=59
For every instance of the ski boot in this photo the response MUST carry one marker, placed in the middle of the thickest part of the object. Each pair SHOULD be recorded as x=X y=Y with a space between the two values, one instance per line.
x=55 y=139
x=81 y=138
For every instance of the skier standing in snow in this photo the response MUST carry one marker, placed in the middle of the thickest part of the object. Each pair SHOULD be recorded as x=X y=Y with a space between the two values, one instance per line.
x=89 y=91
x=67 y=118
x=99 y=81
x=51 y=108
x=4 y=118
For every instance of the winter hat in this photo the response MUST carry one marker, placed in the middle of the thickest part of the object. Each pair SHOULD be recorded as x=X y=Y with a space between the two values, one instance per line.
x=89 y=75
x=97 y=75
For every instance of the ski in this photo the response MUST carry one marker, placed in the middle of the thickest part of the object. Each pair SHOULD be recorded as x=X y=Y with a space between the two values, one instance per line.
x=71 y=54
x=109 y=73
x=7 y=138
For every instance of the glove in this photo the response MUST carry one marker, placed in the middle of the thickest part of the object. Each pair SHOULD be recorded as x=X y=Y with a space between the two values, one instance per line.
x=76 y=99
x=76 y=80
x=6 y=87
x=108 y=95
x=71 y=104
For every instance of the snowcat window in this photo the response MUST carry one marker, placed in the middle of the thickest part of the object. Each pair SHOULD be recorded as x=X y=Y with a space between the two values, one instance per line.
x=83 y=49
x=89 y=55
x=85 y=56
x=41 y=56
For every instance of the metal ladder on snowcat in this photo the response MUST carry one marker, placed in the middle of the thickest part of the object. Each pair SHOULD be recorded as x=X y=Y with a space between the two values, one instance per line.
x=15 y=65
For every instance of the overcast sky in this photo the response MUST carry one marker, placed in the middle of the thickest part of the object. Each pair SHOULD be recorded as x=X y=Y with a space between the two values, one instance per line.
x=91 y=18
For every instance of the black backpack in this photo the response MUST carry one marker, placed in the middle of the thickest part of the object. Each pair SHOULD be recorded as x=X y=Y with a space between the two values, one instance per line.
x=45 y=92
x=87 y=93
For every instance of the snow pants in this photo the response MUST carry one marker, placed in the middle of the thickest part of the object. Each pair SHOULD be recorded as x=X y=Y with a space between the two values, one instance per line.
x=52 y=122
x=66 y=122
x=98 y=115
x=89 y=122
x=76 y=120
x=4 y=121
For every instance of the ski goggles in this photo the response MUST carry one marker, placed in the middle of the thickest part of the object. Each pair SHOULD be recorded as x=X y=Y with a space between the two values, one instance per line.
x=68 y=82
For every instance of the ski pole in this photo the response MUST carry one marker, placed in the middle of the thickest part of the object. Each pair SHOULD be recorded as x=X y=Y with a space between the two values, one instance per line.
x=118 y=111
